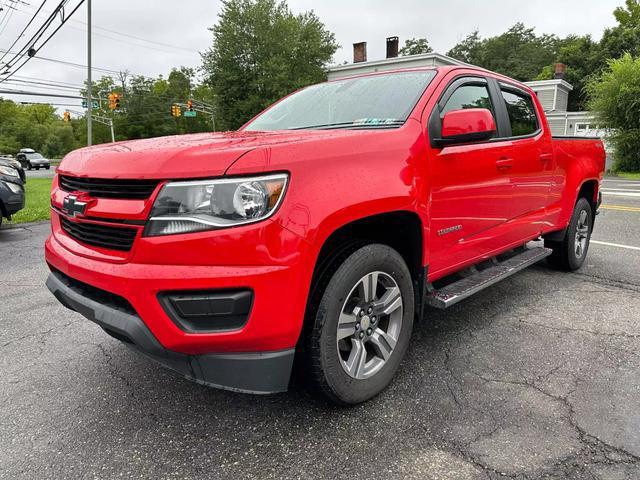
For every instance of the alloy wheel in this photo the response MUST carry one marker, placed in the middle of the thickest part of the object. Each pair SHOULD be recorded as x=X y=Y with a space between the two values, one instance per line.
x=369 y=325
x=582 y=234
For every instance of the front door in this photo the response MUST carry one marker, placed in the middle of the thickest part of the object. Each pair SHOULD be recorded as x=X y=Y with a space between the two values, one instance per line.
x=471 y=190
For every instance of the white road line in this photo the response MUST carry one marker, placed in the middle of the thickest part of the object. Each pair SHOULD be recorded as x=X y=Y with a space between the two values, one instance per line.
x=628 y=247
x=629 y=193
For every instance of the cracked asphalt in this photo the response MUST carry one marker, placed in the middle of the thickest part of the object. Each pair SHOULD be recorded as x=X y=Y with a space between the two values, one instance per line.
x=538 y=377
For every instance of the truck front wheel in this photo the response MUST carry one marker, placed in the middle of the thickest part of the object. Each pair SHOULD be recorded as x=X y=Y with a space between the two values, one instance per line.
x=362 y=323
x=570 y=253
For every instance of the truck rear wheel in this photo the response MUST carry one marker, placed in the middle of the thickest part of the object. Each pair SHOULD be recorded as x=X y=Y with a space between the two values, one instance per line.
x=570 y=253
x=361 y=325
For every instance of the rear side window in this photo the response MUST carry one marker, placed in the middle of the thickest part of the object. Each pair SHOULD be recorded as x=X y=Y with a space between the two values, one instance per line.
x=469 y=96
x=522 y=114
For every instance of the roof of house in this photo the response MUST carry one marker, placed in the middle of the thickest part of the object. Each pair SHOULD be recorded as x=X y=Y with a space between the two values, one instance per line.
x=398 y=61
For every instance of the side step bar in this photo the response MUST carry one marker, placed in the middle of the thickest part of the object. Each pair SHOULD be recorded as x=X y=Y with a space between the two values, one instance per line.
x=479 y=280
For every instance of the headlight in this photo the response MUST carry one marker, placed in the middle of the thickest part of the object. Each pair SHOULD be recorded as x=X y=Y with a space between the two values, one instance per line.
x=11 y=172
x=14 y=187
x=195 y=206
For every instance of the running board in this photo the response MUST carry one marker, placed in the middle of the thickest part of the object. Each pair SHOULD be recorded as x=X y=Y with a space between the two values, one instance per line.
x=479 y=280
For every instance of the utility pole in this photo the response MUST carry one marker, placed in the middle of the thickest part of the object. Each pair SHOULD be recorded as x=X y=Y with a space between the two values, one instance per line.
x=89 y=81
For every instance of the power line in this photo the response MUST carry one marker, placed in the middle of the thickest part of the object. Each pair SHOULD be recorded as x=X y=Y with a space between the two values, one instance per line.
x=9 y=13
x=24 y=29
x=42 y=85
x=40 y=94
x=36 y=36
x=128 y=35
x=71 y=64
x=33 y=50
x=51 y=82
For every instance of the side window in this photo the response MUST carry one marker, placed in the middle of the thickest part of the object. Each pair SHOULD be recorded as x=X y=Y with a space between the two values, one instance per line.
x=469 y=96
x=522 y=113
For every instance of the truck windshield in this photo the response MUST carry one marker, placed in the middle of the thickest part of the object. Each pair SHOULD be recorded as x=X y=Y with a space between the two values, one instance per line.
x=34 y=156
x=377 y=101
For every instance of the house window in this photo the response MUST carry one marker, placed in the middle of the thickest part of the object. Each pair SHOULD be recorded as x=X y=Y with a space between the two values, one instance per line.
x=583 y=127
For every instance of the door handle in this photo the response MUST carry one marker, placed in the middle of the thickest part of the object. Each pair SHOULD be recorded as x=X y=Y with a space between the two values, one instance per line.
x=546 y=157
x=504 y=163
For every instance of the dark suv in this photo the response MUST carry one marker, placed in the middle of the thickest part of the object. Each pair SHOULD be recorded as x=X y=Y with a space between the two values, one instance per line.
x=11 y=190
x=31 y=159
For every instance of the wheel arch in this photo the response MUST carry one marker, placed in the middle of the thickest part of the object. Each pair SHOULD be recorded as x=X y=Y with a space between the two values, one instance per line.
x=401 y=230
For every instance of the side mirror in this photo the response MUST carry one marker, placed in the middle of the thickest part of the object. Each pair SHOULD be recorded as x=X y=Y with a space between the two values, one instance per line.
x=464 y=126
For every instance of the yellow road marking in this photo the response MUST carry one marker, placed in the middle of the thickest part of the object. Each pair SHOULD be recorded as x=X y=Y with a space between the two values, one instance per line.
x=622 y=208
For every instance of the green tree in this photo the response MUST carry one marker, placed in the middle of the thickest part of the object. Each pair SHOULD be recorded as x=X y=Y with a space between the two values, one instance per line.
x=468 y=50
x=583 y=58
x=615 y=97
x=624 y=37
x=261 y=51
x=415 y=46
x=518 y=52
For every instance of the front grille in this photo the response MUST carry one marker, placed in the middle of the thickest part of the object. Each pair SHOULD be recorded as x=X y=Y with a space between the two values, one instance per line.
x=113 y=238
x=109 y=188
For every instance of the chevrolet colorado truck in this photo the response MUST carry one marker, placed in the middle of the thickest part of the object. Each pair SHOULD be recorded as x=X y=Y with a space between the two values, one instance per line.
x=321 y=229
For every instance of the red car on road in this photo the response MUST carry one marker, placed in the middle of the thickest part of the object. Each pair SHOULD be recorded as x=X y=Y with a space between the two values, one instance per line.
x=320 y=230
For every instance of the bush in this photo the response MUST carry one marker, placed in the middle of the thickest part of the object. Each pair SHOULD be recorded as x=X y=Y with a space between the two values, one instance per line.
x=627 y=151
x=615 y=98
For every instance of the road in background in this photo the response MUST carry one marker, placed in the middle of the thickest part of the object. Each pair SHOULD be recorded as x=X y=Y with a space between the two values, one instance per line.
x=536 y=377
x=42 y=173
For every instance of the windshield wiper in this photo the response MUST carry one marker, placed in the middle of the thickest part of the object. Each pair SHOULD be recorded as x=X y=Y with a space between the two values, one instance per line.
x=370 y=124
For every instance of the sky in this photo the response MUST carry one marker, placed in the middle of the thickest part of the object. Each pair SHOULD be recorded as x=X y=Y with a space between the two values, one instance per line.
x=170 y=33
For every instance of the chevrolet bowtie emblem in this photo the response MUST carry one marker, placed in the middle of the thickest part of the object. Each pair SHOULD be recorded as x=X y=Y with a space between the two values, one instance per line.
x=73 y=206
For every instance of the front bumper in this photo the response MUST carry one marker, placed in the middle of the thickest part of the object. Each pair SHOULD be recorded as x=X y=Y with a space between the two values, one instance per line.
x=13 y=202
x=259 y=373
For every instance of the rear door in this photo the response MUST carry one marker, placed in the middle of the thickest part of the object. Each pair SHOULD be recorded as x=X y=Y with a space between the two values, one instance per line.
x=531 y=166
x=471 y=190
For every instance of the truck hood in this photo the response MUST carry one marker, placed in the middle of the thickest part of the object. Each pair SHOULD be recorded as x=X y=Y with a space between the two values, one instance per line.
x=183 y=156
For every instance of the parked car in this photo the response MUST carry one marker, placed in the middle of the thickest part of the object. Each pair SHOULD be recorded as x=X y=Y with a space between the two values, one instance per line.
x=11 y=190
x=31 y=159
x=15 y=164
x=321 y=229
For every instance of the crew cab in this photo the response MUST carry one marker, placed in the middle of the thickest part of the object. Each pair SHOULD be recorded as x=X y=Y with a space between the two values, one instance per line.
x=320 y=230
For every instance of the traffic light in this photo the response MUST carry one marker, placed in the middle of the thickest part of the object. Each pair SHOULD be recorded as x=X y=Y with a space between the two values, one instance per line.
x=190 y=105
x=114 y=101
x=66 y=117
x=176 y=111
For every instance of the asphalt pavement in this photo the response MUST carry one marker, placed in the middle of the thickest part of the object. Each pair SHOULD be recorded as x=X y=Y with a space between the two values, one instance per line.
x=42 y=173
x=538 y=377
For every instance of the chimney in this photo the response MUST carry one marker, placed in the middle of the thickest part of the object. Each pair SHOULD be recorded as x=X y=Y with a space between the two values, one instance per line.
x=360 y=52
x=392 y=47
x=560 y=70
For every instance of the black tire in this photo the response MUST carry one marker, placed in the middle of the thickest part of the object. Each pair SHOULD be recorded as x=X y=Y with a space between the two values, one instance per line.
x=564 y=256
x=48 y=167
x=322 y=361
x=29 y=166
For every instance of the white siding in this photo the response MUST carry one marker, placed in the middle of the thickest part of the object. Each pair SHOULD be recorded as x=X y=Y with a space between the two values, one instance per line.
x=546 y=99
x=557 y=125
x=562 y=100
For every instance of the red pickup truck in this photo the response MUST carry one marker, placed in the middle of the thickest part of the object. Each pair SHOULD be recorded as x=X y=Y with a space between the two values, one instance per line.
x=320 y=230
